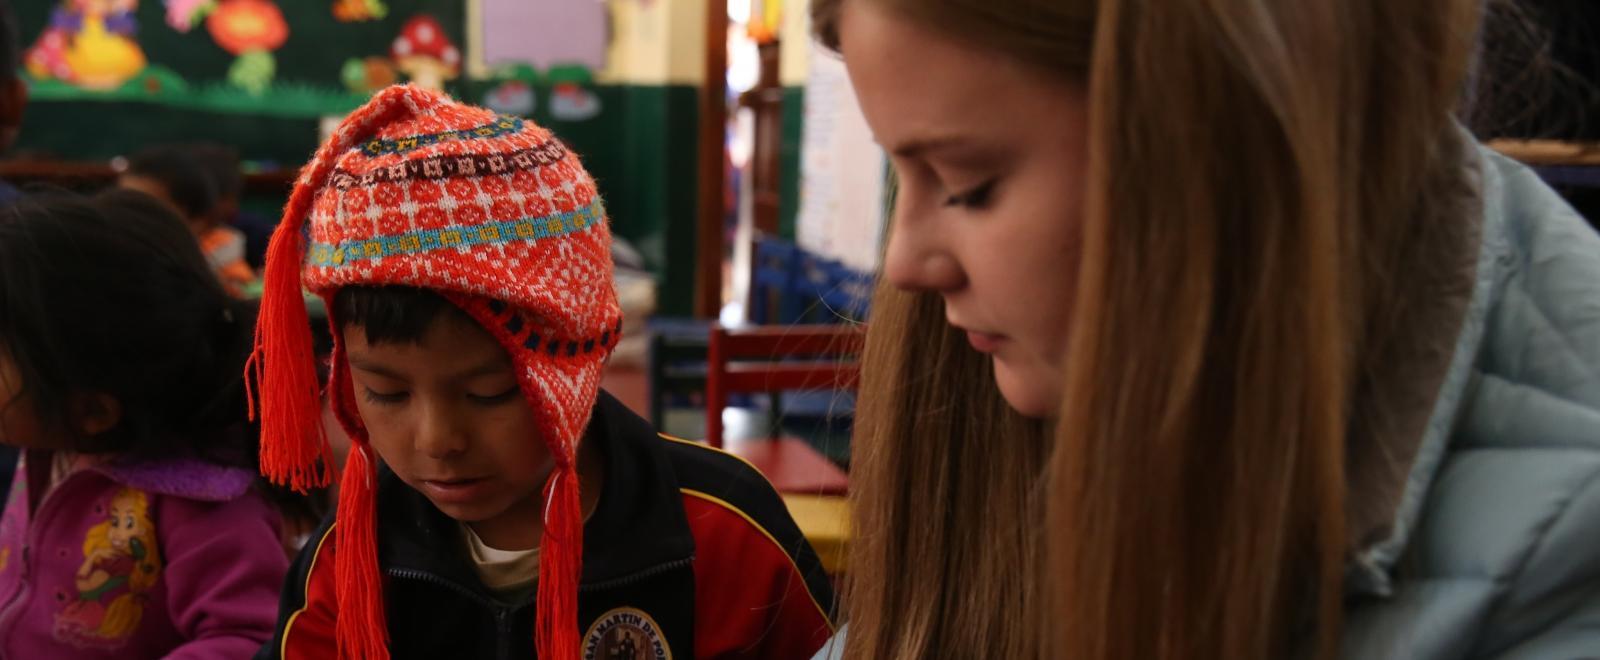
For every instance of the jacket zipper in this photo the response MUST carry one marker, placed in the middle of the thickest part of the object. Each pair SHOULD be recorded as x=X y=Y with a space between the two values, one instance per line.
x=424 y=576
x=501 y=612
x=502 y=623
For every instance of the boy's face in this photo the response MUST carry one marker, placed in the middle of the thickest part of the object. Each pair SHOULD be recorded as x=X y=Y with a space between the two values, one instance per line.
x=448 y=418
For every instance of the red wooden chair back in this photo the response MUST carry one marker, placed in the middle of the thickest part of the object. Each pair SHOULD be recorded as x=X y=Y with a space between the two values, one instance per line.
x=769 y=359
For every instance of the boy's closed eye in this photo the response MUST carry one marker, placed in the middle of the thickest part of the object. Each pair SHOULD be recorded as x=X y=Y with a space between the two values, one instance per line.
x=484 y=396
x=384 y=398
x=505 y=395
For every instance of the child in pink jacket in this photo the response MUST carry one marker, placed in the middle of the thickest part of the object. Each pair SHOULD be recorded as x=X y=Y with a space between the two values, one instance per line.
x=133 y=528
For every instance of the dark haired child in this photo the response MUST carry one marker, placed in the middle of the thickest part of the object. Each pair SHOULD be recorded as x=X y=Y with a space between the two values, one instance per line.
x=132 y=529
x=222 y=163
x=496 y=503
x=181 y=178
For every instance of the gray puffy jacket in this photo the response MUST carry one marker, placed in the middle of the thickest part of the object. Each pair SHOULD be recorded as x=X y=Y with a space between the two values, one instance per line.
x=1496 y=546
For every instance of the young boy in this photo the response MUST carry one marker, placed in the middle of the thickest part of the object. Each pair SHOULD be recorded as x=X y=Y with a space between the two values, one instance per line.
x=494 y=500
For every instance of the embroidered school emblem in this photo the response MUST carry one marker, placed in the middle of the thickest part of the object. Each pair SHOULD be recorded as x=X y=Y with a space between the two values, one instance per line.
x=625 y=634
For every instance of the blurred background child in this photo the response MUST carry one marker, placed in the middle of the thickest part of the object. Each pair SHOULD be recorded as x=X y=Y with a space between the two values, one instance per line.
x=180 y=178
x=222 y=164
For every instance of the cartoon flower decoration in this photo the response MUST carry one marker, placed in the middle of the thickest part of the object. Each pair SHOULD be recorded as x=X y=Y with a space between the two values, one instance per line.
x=239 y=26
x=250 y=30
x=183 y=15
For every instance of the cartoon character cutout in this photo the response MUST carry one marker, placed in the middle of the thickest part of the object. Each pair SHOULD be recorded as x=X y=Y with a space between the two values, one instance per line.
x=89 y=43
x=121 y=564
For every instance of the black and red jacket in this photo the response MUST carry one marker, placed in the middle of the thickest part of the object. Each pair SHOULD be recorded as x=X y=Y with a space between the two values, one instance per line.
x=689 y=553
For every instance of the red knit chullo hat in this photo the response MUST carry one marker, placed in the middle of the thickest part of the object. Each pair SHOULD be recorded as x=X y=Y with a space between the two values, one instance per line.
x=497 y=216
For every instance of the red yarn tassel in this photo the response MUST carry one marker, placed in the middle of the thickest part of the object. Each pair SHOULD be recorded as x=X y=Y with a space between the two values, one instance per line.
x=560 y=563
x=294 y=447
x=361 y=631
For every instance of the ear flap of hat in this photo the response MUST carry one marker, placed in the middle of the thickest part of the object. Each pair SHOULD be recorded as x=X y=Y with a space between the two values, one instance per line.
x=294 y=447
x=560 y=386
x=281 y=373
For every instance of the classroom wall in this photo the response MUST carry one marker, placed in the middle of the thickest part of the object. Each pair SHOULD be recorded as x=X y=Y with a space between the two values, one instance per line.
x=842 y=210
x=656 y=63
x=795 y=49
x=640 y=148
x=795 y=52
x=661 y=42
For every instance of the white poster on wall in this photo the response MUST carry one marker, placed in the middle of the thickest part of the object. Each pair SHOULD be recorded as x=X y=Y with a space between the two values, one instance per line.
x=841 y=171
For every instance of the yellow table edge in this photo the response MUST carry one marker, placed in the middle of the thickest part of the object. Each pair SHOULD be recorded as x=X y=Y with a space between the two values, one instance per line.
x=825 y=522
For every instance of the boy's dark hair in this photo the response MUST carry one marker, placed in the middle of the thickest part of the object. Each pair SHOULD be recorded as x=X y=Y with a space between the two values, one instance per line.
x=182 y=173
x=111 y=295
x=391 y=314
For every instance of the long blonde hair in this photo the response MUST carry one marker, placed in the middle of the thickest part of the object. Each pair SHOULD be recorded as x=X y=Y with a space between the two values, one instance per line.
x=1260 y=173
x=124 y=612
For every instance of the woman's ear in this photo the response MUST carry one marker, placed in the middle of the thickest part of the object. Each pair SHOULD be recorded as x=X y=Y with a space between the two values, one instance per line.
x=94 y=413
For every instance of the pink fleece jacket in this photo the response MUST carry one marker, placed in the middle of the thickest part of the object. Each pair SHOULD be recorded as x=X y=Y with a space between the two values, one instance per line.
x=168 y=559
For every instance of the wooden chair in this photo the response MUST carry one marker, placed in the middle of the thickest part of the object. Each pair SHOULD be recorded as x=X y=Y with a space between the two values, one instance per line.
x=773 y=288
x=677 y=366
x=774 y=359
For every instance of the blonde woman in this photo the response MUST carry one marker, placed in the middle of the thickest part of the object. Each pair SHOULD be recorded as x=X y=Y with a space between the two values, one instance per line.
x=1205 y=331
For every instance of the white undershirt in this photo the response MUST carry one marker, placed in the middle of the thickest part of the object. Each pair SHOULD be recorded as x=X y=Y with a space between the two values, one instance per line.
x=510 y=574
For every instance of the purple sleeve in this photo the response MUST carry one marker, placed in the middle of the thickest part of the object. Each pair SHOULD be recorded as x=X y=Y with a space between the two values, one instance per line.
x=61 y=19
x=225 y=568
x=122 y=23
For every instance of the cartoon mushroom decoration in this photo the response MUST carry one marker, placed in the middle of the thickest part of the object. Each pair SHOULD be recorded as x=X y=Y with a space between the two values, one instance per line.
x=249 y=30
x=425 y=53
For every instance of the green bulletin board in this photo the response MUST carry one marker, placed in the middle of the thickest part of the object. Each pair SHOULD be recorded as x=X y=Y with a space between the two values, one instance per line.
x=191 y=69
x=637 y=140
